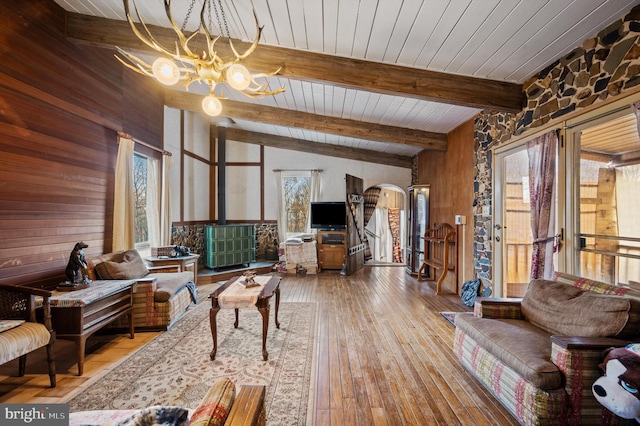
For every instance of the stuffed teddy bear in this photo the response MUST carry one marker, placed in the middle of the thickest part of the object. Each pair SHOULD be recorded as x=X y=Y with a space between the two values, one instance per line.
x=619 y=389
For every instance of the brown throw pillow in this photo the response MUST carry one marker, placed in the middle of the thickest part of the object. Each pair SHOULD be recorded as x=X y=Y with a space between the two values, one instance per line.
x=127 y=265
x=565 y=310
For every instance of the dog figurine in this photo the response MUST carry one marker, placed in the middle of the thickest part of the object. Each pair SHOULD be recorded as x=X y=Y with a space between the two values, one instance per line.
x=619 y=389
x=77 y=264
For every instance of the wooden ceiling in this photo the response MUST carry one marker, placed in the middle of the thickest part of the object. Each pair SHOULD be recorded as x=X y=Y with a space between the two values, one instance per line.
x=614 y=141
x=377 y=80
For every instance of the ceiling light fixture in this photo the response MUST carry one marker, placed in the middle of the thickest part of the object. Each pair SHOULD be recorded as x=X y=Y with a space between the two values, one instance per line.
x=184 y=67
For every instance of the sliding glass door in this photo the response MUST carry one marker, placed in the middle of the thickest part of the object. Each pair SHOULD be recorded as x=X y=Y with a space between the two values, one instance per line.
x=606 y=198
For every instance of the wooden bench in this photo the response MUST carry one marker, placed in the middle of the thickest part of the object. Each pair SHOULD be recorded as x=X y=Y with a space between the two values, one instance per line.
x=441 y=243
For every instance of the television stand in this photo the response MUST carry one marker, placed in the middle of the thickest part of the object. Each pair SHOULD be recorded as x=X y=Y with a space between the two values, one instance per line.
x=332 y=249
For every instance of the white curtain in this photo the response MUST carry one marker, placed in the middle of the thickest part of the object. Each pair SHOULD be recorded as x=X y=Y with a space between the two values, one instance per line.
x=314 y=195
x=165 y=203
x=123 y=197
x=628 y=202
x=314 y=190
x=282 y=214
x=153 y=202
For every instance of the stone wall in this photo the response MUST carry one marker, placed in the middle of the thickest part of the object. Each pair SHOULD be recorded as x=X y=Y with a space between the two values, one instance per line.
x=603 y=67
x=267 y=241
x=191 y=236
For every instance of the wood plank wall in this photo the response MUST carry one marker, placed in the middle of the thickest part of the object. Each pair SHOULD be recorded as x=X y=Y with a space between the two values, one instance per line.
x=450 y=197
x=61 y=105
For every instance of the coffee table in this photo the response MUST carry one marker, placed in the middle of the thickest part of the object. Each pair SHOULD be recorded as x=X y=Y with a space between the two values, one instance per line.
x=271 y=287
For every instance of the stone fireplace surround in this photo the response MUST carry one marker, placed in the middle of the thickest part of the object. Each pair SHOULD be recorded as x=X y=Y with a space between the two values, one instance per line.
x=192 y=236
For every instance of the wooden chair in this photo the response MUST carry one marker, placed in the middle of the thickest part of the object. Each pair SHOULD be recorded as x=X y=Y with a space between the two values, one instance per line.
x=23 y=333
x=441 y=253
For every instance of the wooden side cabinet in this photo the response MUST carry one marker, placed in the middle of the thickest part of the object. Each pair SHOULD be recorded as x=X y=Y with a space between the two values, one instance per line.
x=184 y=263
x=332 y=249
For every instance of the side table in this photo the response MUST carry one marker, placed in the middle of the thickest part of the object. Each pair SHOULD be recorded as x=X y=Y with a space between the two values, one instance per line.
x=76 y=315
x=184 y=263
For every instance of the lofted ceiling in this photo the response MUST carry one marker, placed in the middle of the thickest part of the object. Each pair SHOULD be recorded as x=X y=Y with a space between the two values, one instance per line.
x=374 y=80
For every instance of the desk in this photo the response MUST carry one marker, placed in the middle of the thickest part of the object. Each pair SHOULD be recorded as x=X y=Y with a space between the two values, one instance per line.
x=76 y=315
x=268 y=290
x=184 y=263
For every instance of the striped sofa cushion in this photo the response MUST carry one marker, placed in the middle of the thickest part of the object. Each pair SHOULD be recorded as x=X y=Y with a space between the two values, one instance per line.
x=530 y=358
x=528 y=403
x=596 y=286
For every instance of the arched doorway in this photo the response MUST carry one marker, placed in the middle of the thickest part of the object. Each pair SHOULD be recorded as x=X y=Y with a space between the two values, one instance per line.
x=385 y=225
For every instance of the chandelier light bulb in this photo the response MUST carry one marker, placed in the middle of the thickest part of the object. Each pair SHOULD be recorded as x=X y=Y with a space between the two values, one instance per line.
x=212 y=106
x=166 y=71
x=238 y=76
x=180 y=64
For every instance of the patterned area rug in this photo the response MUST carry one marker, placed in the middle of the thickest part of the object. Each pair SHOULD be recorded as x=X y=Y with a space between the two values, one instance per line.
x=450 y=317
x=175 y=369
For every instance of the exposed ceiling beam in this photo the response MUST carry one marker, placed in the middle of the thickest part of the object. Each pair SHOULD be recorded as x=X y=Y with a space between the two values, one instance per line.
x=319 y=148
x=315 y=122
x=627 y=159
x=298 y=64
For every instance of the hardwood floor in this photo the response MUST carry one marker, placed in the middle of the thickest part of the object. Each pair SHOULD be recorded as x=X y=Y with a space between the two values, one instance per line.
x=384 y=355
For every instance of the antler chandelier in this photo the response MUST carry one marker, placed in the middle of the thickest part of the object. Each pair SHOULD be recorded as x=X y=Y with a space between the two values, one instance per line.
x=182 y=66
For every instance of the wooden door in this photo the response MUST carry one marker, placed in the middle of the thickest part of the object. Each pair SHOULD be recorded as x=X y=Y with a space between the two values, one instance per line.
x=355 y=223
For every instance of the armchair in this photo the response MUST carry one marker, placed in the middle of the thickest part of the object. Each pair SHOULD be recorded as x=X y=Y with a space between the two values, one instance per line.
x=22 y=332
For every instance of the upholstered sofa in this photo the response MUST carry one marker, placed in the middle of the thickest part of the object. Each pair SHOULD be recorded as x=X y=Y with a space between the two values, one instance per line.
x=539 y=355
x=220 y=406
x=162 y=294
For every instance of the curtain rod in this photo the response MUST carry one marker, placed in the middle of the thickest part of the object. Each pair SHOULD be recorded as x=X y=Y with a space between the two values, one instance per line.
x=298 y=170
x=128 y=136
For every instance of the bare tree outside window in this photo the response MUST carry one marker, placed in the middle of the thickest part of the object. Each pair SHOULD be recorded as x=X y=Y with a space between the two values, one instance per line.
x=140 y=194
x=296 y=201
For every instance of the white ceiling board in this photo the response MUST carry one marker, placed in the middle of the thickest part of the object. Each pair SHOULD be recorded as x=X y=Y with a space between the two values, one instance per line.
x=298 y=25
x=529 y=19
x=313 y=22
x=406 y=20
x=462 y=62
x=535 y=35
x=363 y=27
x=421 y=32
x=442 y=31
x=347 y=17
x=466 y=29
x=586 y=28
x=385 y=21
x=504 y=40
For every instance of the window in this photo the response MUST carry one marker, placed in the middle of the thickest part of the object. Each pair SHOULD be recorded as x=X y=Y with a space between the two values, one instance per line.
x=296 y=196
x=146 y=184
x=140 y=185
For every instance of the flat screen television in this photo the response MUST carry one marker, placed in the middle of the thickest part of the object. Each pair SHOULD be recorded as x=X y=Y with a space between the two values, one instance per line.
x=328 y=215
